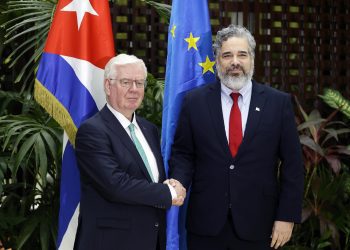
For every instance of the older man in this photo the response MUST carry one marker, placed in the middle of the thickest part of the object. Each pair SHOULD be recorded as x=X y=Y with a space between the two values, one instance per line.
x=123 y=199
x=237 y=144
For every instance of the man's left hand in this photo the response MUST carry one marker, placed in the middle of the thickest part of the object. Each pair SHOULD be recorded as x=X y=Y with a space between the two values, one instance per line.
x=281 y=233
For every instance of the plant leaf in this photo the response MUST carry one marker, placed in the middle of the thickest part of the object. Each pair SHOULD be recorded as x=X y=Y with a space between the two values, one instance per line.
x=40 y=154
x=310 y=123
x=333 y=133
x=44 y=234
x=305 y=214
x=334 y=163
x=24 y=151
x=49 y=141
x=335 y=100
x=307 y=141
x=27 y=231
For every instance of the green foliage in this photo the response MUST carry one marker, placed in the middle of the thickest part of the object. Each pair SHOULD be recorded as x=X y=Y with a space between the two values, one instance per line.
x=27 y=29
x=29 y=174
x=29 y=139
x=152 y=104
x=2 y=32
x=164 y=10
x=335 y=100
x=326 y=215
x=326 y=211
x=320 y=138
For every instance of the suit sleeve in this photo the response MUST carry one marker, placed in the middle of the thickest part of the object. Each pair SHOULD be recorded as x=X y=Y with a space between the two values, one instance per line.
x=291 y=171
x=181 y=162
x=100 y=168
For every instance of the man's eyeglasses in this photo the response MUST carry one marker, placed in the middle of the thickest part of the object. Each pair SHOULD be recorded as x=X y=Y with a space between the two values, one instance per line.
x=127 y=83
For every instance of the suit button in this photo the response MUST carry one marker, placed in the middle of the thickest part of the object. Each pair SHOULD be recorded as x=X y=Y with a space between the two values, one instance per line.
x=156 y=224
x=232 y=167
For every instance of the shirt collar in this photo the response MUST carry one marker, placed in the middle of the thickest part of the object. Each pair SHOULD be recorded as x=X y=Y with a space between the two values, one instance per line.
x=122 y=119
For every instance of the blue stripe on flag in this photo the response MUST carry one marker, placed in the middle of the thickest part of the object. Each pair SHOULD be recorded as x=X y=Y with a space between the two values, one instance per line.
x=70 y=190
x=183 y=73
x=66 y=87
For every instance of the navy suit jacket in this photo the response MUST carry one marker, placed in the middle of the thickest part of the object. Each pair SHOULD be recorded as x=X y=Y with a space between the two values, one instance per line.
x=261 y=184
x=120 y=207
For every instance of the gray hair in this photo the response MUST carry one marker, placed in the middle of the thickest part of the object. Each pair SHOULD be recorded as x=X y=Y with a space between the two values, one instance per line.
x=121 y=59
x=233 y=31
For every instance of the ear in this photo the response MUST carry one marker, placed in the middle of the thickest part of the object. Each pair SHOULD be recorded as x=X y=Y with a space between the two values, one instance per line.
x=107 y=87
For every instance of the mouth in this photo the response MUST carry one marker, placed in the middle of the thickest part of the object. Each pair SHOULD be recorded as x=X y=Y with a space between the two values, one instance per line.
x=235 y=71
x=133 y=98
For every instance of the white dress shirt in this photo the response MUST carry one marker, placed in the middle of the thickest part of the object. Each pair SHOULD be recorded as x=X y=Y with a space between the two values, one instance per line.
x=243 y=104
x=148 y=152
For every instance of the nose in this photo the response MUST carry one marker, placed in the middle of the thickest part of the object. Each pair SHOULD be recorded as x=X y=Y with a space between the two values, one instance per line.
x=235 y=60
x=133 y=86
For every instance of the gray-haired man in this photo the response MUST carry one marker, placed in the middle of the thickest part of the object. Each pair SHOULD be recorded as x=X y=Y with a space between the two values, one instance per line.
x=237 y=145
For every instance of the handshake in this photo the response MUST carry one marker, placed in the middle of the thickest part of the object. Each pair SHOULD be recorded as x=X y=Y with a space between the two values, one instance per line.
x=180 y=191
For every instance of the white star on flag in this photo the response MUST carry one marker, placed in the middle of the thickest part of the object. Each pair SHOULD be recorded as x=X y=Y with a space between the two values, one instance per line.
x=80 y=7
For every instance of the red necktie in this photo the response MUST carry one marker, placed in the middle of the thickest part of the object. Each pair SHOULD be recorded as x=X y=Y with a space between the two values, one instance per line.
x=235 y=130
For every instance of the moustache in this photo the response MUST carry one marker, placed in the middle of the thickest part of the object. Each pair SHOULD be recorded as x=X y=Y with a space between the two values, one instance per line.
x=234 y=68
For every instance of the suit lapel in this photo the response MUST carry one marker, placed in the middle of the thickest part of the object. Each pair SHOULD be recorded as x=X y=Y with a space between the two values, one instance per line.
x=257 y=103
x=214 y=105
x=155 y=149
x=256 y=108
x=118 y=131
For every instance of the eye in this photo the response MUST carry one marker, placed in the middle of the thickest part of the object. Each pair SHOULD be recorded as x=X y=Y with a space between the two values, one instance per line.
x=140 y=83
x=227 y=56
x=126 y=82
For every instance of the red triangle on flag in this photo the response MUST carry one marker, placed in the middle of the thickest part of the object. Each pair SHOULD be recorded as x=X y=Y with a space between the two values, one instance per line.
x=91 y=41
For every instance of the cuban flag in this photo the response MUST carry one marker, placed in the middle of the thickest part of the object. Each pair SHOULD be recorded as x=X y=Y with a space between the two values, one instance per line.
x=190 y=63
x=69 y=85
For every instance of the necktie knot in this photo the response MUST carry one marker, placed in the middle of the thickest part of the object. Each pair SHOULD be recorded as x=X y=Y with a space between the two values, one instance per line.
x=235 y=96
x=132 y=128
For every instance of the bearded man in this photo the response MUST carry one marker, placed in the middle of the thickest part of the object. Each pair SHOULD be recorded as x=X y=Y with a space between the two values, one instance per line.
x=237 y=146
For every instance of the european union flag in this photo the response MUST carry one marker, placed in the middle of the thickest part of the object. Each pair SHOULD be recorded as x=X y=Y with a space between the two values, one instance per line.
x=190 y=63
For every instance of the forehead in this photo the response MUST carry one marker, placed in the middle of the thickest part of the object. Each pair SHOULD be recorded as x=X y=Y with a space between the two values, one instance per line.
x=131 y=70
x=234 y=44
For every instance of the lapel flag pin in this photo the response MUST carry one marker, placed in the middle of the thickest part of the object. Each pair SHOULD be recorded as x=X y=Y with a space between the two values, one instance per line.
x=257 y=109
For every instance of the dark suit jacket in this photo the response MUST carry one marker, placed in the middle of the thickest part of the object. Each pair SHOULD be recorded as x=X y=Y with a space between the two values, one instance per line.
x=120 y=207
x=252 y=184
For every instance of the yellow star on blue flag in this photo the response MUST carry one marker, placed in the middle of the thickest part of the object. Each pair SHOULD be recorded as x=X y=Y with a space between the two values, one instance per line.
x=172 y=31
x=207 y=65
x=192 y=41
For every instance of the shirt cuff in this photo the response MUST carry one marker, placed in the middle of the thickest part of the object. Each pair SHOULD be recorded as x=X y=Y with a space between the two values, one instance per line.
x=172 y=191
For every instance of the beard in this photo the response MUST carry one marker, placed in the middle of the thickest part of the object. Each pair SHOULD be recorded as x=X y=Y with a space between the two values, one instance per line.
x=234 y=82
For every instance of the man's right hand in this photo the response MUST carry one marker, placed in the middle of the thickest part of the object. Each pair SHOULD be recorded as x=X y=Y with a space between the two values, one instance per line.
x=180 y=192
